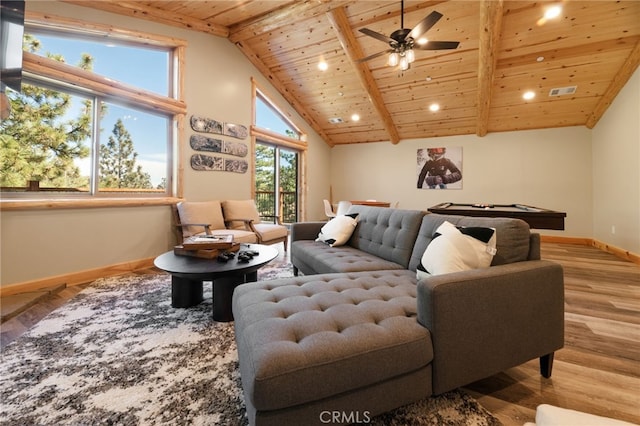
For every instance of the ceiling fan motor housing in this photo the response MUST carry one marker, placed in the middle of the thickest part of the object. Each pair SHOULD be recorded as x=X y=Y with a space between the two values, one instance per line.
x=400 y=42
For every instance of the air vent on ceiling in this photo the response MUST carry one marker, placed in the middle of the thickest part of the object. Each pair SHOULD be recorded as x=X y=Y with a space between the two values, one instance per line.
x=561 y=91
x=336 y=120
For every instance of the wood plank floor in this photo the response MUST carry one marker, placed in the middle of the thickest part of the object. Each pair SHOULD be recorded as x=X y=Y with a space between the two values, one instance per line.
x=598 y=370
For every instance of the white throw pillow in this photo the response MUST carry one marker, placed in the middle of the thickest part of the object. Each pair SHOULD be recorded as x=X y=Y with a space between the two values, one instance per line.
x=338 y=230
x=454 y=249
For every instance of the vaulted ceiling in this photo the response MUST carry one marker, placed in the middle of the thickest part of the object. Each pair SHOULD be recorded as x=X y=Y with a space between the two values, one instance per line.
x=506 y=48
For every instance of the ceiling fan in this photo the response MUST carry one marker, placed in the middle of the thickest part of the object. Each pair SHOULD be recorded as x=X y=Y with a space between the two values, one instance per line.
x=403 y=41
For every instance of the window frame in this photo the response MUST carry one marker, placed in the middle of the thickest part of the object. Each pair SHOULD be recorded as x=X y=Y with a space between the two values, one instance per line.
x=38 y=68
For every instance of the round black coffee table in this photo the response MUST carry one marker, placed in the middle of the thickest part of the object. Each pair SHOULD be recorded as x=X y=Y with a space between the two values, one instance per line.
x=188 y=273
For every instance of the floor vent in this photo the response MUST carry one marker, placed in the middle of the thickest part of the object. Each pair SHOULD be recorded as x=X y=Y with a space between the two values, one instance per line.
x=561 y=91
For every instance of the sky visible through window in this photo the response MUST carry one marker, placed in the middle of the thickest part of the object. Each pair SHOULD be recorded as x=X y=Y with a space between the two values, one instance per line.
x=129 y=65
x=266 y=118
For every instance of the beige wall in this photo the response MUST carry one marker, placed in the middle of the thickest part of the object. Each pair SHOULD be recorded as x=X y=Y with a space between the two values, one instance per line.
x=545 y=168
x=46 y=243
x=616 y=171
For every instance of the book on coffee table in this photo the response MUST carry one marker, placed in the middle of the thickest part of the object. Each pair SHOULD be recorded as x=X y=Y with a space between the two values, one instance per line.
x=206 y=242
x=203 y=253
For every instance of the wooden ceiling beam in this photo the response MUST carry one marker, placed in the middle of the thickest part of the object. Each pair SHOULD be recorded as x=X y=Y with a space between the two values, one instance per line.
x=282 y=89
x=295 y=11
x=618 y=82
x=341 y=26
x=489 y=40
x=140 y=10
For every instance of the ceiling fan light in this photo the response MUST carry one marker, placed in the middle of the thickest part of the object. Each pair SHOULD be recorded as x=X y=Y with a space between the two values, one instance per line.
x=393 y=59
x=404 y=63
x=410 y=55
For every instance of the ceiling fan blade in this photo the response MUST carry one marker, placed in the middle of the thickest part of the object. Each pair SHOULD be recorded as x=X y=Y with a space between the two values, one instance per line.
x=374 y=34
x=375 y=55
x=424 y=25
x=437 y=45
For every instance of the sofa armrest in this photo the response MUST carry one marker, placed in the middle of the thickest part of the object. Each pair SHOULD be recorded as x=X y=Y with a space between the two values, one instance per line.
x=305 y=230
x=485 y=321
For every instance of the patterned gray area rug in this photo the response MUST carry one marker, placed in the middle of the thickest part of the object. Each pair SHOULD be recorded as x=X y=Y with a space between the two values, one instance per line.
x=118 y=353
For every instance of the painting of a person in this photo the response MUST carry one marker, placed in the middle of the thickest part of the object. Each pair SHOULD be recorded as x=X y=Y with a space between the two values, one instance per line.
x=438 y=171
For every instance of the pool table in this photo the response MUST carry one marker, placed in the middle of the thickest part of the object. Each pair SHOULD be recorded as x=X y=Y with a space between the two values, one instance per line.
x=536 y=217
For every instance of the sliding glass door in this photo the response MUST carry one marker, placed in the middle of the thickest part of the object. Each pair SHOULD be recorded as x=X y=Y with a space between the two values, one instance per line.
x=276 y=185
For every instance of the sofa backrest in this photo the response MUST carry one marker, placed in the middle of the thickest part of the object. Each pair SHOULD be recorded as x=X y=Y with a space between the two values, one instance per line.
x=513 y=238
x=387 y=233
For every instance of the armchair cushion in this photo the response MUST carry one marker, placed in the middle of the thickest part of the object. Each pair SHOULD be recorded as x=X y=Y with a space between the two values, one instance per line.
x=270 y=231
x=200 y=212
x=236 y=211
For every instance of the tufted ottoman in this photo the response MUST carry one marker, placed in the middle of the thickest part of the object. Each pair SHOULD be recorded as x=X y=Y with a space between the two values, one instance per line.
x=332 y=348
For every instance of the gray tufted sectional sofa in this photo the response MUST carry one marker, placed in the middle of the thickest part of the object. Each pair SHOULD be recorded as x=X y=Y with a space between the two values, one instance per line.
x=359 y=335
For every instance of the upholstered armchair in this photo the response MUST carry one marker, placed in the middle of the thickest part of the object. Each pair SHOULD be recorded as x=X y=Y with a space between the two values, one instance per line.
x=205 y=217
x=242 y=213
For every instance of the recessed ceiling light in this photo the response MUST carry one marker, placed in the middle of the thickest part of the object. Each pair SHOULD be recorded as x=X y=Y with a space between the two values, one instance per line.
x=434 y=107
x=540 y=58
x=323 y=66
x=552 y=12
x=355 y=117
x=422 y=41
x=527 y=96
x=428 y=78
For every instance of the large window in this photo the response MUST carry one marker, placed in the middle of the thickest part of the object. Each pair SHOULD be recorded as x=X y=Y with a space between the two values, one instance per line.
x=96 y=116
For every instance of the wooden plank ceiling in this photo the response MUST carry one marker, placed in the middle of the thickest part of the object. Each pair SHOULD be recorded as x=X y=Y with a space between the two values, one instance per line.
x=505 y=49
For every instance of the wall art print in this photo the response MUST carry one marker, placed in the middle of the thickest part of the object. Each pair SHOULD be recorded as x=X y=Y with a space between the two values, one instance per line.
x=204 y=143
x=209 y=125
x=440 y=168
x=202 y=162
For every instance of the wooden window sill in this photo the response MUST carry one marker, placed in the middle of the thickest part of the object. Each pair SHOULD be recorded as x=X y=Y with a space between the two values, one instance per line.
x=8 y=205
